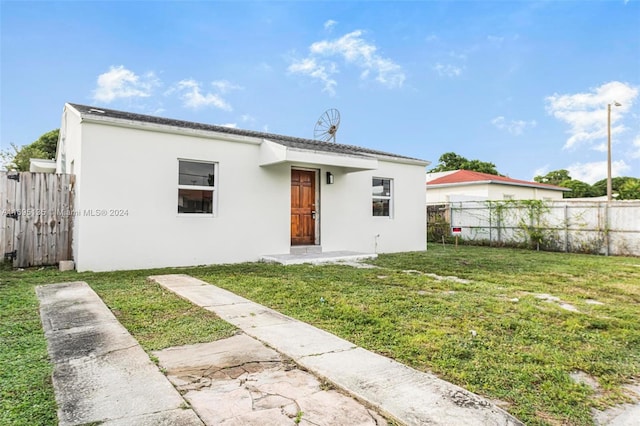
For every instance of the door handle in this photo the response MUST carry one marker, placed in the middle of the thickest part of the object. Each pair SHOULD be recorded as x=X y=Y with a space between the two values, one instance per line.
x=313 y=214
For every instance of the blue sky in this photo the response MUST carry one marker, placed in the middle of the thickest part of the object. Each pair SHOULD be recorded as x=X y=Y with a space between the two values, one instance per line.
x=522 y=84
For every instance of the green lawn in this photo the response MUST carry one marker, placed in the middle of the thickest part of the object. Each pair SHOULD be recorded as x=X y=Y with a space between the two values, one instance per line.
x=490 y=334
x=156 y=318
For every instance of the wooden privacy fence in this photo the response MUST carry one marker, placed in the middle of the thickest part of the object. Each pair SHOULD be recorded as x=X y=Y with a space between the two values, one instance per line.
x=37 y=218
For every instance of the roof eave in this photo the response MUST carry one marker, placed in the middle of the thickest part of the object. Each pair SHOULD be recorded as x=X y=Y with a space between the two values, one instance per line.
x=402 y=160
x=140 y=125
x=496 y=182
x=231 y=135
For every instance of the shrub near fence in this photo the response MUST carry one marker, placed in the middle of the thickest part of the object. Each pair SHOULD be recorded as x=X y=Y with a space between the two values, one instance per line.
x=36 y=218
x=596 y=227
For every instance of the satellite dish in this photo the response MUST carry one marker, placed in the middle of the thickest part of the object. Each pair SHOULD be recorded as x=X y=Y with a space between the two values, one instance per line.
x=327 y=126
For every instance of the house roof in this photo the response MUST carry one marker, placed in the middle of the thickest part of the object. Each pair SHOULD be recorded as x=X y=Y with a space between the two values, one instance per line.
x=468 y=177
x=288 y=141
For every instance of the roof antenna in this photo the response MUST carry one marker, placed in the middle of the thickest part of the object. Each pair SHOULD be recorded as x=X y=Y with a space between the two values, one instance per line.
x=327 y=126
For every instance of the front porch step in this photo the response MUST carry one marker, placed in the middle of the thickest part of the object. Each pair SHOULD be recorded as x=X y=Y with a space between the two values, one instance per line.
x=305 y=249
x=316 y=258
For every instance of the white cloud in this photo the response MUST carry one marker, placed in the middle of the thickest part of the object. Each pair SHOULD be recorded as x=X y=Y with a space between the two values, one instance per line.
x=458 y=56
x=264 y=67
x=330 y=24
x=225 y=86
x=601 y=147
x=121 y=83
x=310 y=67
x=193 y=97
x=586 y=113
x=541 y=171
x=635 y=153
x=495 y=39
x=230 y=125
x=515 y=127
x=595 y=171
x=447 y=70
x=353 y=50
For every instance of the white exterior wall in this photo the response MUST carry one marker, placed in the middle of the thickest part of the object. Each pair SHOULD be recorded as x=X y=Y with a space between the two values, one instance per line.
x=68 y=157
x=449 y=193
x=498 y=192
x=346 y=218
x=136 y=171
x=488 y=191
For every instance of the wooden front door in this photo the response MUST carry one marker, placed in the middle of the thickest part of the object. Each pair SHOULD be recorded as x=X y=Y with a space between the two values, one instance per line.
x=303 y=207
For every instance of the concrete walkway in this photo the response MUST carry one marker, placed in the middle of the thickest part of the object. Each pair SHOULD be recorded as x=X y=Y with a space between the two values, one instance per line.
x=240 y=381
x=624 y=414
x=397 y=391
x=101 y=374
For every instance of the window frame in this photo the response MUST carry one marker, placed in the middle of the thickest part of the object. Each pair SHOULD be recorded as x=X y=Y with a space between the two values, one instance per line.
x=210 y=188
x=383 y=197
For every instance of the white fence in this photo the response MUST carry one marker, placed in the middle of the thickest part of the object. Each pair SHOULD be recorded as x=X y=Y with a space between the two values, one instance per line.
x=594 y=227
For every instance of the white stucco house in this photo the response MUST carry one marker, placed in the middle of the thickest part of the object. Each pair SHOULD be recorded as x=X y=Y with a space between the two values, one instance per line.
x=155 y=192
x=466 y=185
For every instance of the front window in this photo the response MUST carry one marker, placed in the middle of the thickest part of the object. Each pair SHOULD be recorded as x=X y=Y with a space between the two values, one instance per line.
x=382 y=197
x=196 y=187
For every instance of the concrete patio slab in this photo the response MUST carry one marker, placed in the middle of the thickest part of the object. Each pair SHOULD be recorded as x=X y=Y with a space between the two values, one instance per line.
x=397 y=391
x=233 y=351
x=101 y=374
x=317 y=258
x=177 y=417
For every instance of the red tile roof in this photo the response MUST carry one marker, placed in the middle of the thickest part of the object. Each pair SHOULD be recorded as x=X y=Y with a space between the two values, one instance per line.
x=461 y=177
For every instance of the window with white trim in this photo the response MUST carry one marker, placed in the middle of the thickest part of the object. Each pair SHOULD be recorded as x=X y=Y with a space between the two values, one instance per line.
x=196 y=187
x=382 y=197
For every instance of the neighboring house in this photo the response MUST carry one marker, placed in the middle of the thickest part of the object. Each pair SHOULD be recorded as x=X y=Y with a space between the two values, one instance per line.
x=42 y=166
x=466 y=185
x=153 y=192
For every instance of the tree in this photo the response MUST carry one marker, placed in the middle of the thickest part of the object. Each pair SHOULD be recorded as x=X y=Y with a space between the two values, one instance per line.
x=555 y=177
x=629 y=190
x=45 y=147
x=616 y=184
x=578 y=188
x=452 y=161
